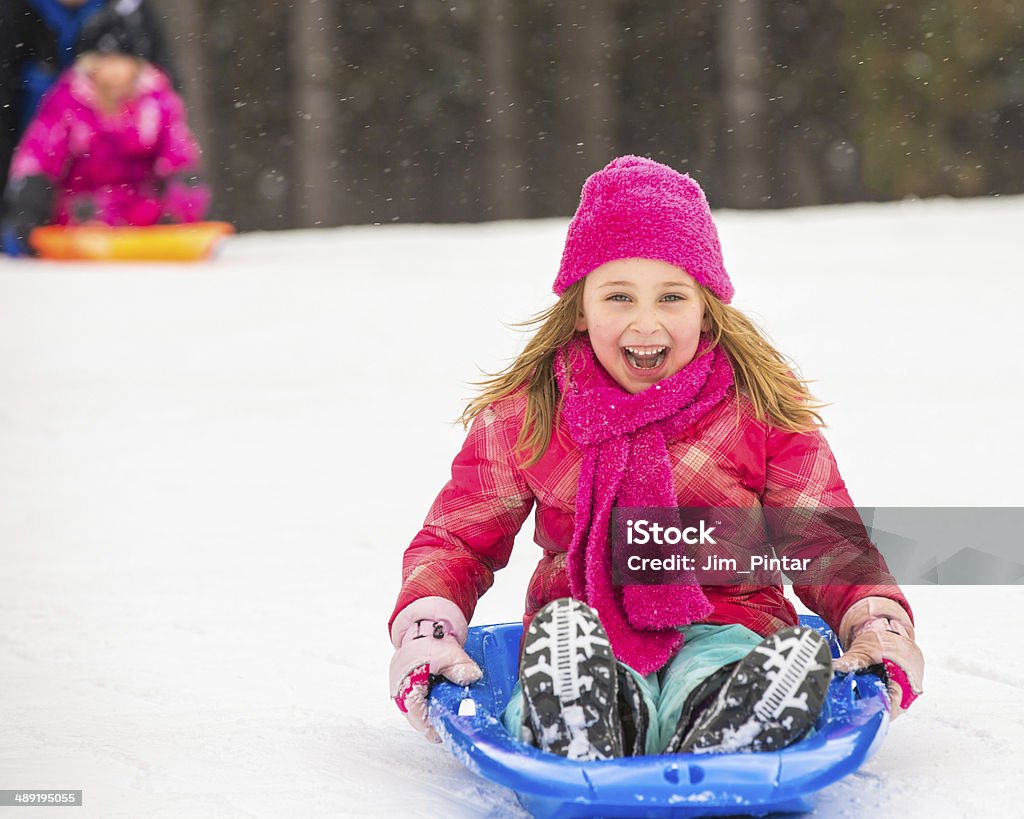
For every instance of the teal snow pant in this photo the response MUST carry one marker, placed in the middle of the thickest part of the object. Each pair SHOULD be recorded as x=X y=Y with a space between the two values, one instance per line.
x=705 y=650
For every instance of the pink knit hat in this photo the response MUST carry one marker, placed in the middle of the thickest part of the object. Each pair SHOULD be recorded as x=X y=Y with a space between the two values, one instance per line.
x=639 y=208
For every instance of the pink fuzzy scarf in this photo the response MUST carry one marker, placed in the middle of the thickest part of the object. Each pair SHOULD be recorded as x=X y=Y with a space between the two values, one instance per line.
x=624 y=439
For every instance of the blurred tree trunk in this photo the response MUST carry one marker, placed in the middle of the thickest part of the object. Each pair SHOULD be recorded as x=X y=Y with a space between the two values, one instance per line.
x=250 y=101
x=585 y=90
x=184 y=26
x=811 y=146
x=313 y=105
x=741 y=55
x=504 y=163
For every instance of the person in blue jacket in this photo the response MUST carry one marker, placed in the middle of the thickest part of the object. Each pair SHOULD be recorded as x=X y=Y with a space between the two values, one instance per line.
x=37 y=42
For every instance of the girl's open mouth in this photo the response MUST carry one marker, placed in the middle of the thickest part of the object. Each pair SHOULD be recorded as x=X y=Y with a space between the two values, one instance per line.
x=645 y=358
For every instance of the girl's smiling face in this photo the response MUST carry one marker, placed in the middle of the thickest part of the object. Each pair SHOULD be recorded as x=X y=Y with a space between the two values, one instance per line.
x=644 y=318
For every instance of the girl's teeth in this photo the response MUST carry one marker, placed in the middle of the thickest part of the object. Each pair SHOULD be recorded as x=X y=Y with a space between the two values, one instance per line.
x=645 y=359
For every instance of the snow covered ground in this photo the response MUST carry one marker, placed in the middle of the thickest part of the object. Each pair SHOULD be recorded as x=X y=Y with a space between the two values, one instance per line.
x=208 y=475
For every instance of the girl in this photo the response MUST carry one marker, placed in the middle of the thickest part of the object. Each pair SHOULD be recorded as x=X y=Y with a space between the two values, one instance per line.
x=110 y=144
x=644 y=388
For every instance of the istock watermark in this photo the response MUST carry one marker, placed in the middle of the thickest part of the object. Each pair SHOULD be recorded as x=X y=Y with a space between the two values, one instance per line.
x=817 y=546
x=643 y=531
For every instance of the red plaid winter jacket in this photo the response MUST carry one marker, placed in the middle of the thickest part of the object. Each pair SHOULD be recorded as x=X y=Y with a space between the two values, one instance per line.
x=728 y=459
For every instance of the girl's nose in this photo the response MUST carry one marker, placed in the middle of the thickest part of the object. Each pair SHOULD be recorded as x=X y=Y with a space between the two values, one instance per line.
x=646 y=321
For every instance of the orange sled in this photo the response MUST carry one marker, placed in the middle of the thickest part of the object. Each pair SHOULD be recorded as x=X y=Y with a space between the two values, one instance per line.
x=158 y=243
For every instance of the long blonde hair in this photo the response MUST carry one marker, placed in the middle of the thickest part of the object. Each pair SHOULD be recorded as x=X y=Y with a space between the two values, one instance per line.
x=760 y=372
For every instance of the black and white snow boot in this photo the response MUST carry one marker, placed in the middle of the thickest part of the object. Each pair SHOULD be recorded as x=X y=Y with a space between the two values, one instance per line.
x=771 y=699
x=569 y=681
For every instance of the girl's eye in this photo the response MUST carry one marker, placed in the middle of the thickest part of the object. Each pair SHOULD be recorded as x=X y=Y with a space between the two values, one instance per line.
x=674 y=297
x=618 y=297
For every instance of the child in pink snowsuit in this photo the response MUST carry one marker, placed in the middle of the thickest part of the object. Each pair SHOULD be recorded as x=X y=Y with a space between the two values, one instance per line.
x=109 y=145
x=644 y=389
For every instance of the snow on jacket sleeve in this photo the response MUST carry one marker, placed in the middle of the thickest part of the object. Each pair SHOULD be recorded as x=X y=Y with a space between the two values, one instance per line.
x=844 y=566
x=186 y=198
x=178 y=148
x=470 y=529
x=43 y=148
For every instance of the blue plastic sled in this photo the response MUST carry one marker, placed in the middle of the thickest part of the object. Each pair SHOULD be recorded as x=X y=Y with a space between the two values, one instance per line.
x=851 y=727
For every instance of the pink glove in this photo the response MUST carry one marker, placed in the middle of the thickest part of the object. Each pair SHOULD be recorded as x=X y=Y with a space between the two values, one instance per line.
x=429 y=635
x=878 y=631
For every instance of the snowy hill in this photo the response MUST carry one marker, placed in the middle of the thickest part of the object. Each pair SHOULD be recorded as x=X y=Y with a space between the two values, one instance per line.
x=208 y=475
